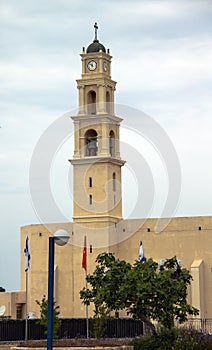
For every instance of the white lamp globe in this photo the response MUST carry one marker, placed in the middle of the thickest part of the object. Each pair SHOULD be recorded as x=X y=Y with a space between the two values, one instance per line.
x=61 y=237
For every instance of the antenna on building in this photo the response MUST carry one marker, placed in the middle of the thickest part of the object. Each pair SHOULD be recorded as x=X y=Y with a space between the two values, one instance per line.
x=2 y=310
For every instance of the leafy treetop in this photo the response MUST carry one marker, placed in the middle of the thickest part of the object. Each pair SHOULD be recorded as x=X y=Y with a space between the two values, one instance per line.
x=143 y=289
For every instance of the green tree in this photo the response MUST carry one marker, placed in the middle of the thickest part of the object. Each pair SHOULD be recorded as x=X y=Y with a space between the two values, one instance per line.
x=43 y=315
x=159 y=293
x=106 y=282
x=144 y=290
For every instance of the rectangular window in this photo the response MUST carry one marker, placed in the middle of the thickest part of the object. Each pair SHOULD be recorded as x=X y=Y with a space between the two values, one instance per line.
x=90 y=182
x=90 y=199
x=19 y=311
x=114 y=182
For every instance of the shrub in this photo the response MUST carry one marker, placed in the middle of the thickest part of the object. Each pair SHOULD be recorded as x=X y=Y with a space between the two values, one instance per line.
x=44 y=317
x=190 y=338
x=174 y=339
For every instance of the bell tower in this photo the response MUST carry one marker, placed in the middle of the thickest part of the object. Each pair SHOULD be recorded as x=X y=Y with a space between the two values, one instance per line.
x=96 y=161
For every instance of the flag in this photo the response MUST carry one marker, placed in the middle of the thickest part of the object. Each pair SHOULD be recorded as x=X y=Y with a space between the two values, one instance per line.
x=141 y=257
x=84 y=255
x=27 y=254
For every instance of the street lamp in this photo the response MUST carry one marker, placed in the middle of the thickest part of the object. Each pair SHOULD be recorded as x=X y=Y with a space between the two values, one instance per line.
x=60 y=237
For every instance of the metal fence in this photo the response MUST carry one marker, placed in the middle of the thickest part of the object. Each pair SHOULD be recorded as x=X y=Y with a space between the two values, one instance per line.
x=203 y=324
x=11 y=330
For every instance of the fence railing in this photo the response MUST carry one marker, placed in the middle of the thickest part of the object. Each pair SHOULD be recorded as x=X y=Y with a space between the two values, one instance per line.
x=204 y=324
x=12 y=330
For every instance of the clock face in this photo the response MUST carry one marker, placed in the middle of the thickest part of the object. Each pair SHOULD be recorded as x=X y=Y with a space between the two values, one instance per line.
x=105 y=66
x=92 y=65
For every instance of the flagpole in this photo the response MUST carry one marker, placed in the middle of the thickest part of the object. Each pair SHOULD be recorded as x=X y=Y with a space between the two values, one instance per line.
x=86 y=310
x=84 y=266
x=26 y=323
x=27 y=256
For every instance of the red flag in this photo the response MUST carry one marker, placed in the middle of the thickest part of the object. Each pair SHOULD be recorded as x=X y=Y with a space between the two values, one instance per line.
x=84 y=255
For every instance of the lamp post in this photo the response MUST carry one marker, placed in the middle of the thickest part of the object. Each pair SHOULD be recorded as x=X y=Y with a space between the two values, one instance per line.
x=60 y=237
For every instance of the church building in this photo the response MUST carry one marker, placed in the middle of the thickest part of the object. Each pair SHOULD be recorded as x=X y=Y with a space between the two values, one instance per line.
x=97 y=211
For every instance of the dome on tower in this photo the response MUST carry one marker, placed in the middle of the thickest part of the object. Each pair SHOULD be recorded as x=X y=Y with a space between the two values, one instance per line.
x=95 y=46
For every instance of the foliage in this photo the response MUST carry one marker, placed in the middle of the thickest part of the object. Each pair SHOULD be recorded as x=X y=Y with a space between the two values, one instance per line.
x=143 y=289
x=106 y=282
x=189 y=337
x=174 y=339
x=159 y=294
x=100 y=322
x=43 y=315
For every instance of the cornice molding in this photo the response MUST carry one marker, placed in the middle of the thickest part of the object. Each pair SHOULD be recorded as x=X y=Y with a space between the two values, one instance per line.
x=96 y=159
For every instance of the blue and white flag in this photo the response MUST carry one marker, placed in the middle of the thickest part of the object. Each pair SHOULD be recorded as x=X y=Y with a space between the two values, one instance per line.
x=141 y=257
x=27 y=254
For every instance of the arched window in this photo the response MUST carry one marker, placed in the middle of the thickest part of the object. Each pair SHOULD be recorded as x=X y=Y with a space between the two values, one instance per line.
x=114 y=182
x=112 y=143
x=90 y=182
x=90 y=199
x=108 y=102
x=91 y=102
x=91 y=143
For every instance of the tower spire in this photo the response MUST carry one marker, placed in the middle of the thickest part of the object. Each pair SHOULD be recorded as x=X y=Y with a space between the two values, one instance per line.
x=96 y=28
x=95 y=46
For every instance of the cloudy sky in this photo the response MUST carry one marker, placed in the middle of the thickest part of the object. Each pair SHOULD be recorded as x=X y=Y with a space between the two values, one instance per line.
x=162 y=54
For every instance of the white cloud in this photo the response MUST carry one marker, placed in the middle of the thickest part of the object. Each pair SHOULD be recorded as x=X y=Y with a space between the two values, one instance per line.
x=181 y=64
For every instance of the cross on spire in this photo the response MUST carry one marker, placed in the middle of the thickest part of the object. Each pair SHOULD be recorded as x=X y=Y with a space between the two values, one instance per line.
x=96 y=28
